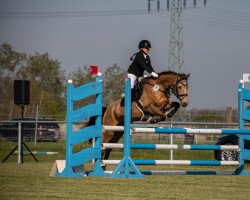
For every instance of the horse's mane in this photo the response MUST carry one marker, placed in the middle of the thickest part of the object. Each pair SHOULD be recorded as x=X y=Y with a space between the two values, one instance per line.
x=182 y=75
x=172 y=72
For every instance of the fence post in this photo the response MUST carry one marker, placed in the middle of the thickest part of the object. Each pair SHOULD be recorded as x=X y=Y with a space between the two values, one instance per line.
x=20 y=144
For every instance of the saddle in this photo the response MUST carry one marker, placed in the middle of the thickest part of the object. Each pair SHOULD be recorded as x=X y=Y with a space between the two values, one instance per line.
x=136 y=93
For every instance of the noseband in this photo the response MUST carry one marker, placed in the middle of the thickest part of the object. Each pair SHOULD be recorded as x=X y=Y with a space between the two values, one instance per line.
x=174 y=89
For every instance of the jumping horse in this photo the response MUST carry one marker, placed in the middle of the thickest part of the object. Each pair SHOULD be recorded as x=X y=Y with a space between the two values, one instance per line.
x=155 y=100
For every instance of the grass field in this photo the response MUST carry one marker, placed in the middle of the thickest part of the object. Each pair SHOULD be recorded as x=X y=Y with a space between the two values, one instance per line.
x=31 y=180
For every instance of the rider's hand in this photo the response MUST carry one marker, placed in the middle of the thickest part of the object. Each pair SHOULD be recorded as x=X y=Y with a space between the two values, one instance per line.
x=154 y=74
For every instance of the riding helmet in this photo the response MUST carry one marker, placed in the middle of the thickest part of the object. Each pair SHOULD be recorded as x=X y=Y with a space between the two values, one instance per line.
x=144 y=44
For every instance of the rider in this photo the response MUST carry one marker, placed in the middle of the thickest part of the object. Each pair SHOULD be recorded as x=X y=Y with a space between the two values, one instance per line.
x=140 y=62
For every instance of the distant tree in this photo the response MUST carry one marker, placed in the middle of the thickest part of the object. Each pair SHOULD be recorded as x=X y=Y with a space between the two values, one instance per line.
x=46 y=72
x=80 y=77
x=11 y=62
x=47 y=83
x=113 y=83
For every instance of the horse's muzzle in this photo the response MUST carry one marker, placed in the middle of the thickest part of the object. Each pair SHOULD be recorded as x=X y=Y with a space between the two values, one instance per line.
x=184 y=101
x=184 y=104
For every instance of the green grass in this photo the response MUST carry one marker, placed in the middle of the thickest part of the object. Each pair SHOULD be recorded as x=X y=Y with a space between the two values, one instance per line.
x=31 y=180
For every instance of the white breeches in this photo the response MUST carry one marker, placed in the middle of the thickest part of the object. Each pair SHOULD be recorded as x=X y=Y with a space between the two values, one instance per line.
x=133 y=79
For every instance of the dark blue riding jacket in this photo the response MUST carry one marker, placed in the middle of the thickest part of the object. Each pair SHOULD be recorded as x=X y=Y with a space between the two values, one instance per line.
x=139 y=64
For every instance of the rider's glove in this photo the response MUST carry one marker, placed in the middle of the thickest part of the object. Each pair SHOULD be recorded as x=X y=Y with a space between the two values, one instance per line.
x=154 y=74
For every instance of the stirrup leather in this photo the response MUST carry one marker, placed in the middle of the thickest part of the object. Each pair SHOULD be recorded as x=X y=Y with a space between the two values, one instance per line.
x=139 y=106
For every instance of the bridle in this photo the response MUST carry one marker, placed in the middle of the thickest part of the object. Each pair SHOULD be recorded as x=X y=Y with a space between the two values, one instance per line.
x=174 y=88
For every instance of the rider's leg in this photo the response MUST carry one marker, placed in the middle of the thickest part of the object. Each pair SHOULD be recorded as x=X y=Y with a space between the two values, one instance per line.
x=133 y=89
x=133 y=79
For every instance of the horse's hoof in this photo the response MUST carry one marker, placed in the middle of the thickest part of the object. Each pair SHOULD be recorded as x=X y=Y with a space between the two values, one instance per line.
x=154 y=121
x=144 y=119
x=170 y=116
x=104 y=167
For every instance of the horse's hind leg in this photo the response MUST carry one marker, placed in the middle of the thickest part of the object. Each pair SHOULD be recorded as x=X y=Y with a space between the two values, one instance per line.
x=158 y=114
x=106 y=152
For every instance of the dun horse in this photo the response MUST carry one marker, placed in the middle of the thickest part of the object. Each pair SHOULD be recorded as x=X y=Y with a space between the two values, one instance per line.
x=155 y=100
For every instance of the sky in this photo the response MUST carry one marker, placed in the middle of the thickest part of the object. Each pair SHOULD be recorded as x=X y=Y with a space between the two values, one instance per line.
x=104 y=32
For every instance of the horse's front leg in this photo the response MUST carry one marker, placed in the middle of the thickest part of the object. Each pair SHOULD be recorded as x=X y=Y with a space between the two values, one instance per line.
x=170 y=109
x=173 y=107
x=156 y=112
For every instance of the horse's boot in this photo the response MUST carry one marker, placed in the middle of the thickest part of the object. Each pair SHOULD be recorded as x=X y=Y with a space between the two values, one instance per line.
x=156 y=119
x=145 y=117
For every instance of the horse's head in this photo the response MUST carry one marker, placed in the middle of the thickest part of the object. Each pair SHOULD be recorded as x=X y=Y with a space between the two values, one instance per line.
x=180 y=89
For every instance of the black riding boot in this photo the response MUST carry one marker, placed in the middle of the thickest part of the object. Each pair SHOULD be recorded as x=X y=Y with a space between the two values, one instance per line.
x=133 y=97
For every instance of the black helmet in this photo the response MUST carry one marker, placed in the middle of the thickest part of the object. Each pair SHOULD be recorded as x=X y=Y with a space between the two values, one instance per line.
x=144 y=44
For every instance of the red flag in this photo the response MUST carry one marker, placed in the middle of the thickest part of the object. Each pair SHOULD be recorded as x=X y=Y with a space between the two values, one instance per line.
x=94 y=69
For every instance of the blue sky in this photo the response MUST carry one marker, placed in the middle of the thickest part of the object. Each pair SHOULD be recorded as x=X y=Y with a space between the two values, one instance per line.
x=92 y=32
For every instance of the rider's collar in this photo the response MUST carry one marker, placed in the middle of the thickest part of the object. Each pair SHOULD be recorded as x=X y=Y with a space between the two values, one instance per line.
x=145 y=55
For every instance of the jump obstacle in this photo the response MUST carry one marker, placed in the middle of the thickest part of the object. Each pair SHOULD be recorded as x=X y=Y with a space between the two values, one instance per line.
x=126 y=168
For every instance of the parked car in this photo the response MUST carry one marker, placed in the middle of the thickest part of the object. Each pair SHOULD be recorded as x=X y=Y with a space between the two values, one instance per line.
x=45 y=131
x=229 y=155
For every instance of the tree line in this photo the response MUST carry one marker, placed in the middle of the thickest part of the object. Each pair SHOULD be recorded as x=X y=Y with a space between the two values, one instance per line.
x=48 y=83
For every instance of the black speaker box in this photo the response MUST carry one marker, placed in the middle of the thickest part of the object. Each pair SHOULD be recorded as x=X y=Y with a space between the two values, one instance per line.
x=21 y=92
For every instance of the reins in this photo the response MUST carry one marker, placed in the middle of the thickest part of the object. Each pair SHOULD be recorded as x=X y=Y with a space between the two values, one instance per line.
x=167 y=90
x=171 y=88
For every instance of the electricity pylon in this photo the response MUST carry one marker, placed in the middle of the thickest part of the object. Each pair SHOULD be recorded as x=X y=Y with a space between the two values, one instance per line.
x=176 y=45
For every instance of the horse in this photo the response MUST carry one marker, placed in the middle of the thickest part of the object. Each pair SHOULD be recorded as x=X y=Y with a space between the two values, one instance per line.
x=155 y=100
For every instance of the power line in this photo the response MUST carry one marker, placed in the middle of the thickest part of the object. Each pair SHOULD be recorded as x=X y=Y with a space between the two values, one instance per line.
x=228 y=14
x=221 y=21
x=42 y=14
x=208 y=20
x=211 y=22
